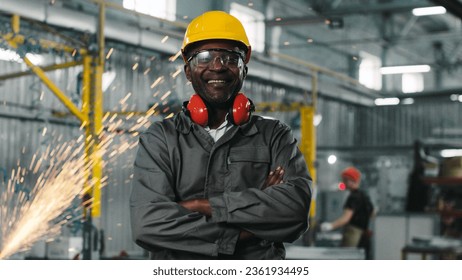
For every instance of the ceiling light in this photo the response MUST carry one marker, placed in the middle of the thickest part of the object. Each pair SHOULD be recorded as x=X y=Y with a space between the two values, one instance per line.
x=332 y=159
x=317 y=119
x=451 y=153
x=386 y=101
x=428 y=11
x=405 y=69
x=456 y=97
x=407 y=101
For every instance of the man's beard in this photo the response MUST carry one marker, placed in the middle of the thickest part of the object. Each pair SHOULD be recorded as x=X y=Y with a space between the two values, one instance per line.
x=220 y=104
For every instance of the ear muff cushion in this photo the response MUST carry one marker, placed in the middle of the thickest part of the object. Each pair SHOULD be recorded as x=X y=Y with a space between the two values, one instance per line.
x=242 y=109
x=197 y=110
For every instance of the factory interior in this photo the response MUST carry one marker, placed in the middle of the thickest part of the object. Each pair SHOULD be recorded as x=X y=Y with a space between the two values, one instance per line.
x=373 y=84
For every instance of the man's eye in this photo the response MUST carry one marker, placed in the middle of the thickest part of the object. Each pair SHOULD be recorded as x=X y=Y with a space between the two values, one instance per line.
x=203 y=58
x=232 y=59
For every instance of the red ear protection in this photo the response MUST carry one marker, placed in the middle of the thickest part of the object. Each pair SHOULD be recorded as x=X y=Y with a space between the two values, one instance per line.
x=241 y=110
x=239 y=113
x=197 y=110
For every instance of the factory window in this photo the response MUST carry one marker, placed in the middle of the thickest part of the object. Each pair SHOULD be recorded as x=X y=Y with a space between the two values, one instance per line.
x=369 y=71
x=165 y=9
x=9 y=55
x=254 y=25
x=412 y=82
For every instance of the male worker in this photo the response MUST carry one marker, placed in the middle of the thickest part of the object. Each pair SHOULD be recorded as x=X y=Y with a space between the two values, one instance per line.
x=357 y=212
x=215 y=181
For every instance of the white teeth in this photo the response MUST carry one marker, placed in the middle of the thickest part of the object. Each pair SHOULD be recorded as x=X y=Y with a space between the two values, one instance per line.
x=216 y=81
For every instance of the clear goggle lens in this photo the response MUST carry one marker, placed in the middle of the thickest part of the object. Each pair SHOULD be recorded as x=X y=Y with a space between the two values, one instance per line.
x=227 y=58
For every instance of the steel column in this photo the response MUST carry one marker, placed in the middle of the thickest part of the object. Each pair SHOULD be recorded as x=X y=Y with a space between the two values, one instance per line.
x=308 y=134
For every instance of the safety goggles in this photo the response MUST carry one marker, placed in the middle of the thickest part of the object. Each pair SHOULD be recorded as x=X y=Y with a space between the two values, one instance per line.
x=227 y=58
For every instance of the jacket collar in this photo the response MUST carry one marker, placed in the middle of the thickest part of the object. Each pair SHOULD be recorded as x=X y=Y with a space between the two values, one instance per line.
x=249 y=128
x=183 y=123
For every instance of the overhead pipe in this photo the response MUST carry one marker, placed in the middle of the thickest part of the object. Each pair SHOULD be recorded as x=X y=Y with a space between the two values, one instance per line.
x=34 y=118
x=44 y=69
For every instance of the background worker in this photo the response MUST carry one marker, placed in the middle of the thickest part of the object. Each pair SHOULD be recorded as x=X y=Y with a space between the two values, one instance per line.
x=215 y=181
x=357 y=211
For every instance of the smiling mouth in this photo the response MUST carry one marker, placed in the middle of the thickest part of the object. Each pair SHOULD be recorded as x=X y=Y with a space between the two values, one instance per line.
x=216 y=82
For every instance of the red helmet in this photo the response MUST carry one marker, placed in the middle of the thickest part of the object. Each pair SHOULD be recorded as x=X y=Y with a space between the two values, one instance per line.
x=352 y=174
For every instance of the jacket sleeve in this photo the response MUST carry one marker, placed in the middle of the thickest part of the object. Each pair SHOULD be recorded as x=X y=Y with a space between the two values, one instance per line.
x=280 y=212
x=157 y=220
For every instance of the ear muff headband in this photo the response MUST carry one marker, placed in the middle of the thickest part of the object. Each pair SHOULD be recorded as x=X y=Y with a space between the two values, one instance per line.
x=239 y=113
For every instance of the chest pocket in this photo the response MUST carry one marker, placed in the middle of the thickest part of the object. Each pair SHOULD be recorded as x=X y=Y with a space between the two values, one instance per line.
x=248 y=167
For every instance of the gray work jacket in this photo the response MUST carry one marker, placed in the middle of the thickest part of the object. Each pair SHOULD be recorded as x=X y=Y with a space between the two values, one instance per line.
x=178 y=160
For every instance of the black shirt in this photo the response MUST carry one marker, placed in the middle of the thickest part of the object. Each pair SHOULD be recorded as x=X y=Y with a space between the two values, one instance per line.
x=362 y=207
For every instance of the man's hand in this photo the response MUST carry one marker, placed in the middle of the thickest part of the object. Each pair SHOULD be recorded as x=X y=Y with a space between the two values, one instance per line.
x=326 y=227
x=274 y=177
x=243 y=235
x=201 y=205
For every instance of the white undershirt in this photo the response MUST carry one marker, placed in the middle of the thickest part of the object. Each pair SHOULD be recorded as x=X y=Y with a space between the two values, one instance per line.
x=219 y=131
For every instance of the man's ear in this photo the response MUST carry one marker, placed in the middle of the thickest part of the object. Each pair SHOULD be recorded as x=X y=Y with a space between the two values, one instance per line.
x=244 y=72
x=187 y=71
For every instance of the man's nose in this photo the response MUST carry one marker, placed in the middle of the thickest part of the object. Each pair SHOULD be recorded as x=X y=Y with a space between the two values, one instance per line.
x=217 y=62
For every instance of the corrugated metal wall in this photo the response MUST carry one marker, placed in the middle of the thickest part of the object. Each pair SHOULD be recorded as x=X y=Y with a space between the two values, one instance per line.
x=337 y=127
x=349 y=126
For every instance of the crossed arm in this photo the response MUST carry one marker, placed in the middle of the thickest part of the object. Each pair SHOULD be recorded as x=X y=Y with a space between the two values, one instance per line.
x=203 y=206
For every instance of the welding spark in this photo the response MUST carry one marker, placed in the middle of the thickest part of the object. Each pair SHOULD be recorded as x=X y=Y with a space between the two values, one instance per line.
x=62 y=174
x=164 y=39
x=157 y=81
x=174 y=57
x=177 y=72
x=25 y=221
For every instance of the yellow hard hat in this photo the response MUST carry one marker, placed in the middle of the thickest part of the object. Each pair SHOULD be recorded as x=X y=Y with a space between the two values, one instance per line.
x=215 y=25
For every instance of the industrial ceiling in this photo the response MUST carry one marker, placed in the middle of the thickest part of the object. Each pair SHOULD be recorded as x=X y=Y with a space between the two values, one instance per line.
x=331 y=34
